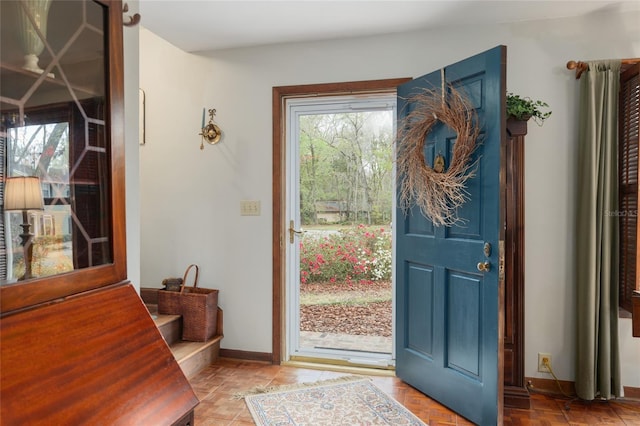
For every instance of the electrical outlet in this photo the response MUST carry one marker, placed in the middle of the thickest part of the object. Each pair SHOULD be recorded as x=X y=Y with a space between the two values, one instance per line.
x=543 y=359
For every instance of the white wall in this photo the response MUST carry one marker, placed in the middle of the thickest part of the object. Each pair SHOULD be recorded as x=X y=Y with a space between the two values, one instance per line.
x=190 y=198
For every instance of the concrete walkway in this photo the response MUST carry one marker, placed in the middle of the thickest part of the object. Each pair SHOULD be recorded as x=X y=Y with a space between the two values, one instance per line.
x=375 y=344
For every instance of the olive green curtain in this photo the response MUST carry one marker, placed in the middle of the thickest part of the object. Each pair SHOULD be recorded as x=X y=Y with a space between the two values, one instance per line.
x=597 y=358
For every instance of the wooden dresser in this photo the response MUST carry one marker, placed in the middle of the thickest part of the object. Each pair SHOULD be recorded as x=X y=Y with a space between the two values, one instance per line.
x=77 y=345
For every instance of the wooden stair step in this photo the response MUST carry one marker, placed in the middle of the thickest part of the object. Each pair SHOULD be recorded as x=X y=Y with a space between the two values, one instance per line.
x=192 y=357
x=170 y=326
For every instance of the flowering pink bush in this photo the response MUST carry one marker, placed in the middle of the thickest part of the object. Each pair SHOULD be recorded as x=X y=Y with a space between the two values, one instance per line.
x=356 y=254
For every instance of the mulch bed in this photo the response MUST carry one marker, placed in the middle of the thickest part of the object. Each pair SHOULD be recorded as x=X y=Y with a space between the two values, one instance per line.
x=366 y=319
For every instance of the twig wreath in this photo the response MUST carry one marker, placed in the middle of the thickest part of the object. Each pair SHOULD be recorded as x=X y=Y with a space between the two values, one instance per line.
x=437 y=194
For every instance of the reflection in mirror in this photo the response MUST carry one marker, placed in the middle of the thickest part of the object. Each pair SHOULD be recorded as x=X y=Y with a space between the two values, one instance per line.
x=53 y=126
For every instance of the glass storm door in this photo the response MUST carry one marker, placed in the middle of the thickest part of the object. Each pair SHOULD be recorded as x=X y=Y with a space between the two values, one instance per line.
x=340 y=207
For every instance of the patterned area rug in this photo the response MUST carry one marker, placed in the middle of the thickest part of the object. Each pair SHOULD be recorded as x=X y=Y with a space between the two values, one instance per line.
x=343 y=402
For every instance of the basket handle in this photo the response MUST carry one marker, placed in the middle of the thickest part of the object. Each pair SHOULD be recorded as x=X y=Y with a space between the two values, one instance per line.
x=195 y=281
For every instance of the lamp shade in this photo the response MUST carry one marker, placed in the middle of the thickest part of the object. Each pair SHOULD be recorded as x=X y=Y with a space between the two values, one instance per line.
x=23 y=193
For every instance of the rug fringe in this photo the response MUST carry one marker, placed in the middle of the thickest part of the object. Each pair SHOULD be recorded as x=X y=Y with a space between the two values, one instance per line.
x=275 y=388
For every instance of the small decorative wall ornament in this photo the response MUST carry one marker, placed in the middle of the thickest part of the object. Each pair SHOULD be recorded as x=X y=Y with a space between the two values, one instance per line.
x=131 y=21
x=211 y=132
x=437 y=191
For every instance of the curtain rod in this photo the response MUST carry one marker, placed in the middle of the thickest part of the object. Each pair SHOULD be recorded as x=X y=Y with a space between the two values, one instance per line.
x=581 y=67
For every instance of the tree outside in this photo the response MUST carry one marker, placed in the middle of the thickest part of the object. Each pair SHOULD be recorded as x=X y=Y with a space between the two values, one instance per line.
x=346 y=199
x=346 y=168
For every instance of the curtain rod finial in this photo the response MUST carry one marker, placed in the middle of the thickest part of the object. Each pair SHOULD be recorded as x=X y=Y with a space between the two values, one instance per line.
x=579 y=66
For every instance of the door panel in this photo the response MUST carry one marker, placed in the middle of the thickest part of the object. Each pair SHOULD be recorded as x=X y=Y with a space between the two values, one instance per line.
x=420 y=298
x=463 y=317
x=448 y=322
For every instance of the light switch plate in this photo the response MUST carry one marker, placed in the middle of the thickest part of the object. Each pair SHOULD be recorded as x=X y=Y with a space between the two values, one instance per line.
x=249 y=208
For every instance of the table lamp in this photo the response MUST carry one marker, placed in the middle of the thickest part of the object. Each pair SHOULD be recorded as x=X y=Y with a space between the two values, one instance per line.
x=23 y=193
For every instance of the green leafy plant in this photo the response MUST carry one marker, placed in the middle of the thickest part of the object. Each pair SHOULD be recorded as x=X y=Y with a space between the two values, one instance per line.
x=524 y=108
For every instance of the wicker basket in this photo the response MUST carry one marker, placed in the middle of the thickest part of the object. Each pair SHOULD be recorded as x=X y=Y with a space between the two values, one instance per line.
x=199 y=313
x=168 y=302
x=198 y=307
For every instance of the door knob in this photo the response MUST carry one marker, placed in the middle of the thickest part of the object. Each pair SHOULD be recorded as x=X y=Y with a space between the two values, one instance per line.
x=484 y=266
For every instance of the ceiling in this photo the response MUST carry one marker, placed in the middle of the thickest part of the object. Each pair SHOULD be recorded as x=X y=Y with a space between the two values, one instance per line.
x=203 y=25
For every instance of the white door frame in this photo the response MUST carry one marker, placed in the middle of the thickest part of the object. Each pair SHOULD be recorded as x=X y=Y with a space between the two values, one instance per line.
x=294 y=109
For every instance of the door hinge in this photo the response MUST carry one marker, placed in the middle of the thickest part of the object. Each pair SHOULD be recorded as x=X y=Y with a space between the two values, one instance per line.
x=501 y=260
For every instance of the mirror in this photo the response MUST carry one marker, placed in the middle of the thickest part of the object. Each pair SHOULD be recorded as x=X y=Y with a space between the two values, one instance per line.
x=54 y=124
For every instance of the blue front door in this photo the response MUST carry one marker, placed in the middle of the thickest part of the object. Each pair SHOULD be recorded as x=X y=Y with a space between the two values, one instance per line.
x=447 y=316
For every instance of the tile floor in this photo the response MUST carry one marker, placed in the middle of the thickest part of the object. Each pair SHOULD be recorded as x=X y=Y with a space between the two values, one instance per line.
x=216 y=385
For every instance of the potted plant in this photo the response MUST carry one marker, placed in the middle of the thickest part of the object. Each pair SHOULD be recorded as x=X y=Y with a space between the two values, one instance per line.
x=525 y=108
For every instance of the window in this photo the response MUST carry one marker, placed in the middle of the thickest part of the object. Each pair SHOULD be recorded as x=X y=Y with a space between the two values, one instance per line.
x=39 y=148
x=629 y=141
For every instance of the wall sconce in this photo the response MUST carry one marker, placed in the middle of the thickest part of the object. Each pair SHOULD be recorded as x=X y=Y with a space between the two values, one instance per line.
x=24 y=193
x=211 y=132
